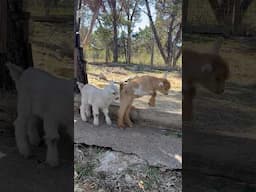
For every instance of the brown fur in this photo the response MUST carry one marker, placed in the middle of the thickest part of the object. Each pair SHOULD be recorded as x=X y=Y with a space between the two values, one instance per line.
x=192 y=74
x=149 y=85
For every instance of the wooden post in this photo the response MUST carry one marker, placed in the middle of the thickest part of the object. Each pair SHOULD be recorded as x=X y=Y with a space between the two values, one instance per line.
x=79 y=63
x=184 y=13
x=3 y=26
x=14 y=41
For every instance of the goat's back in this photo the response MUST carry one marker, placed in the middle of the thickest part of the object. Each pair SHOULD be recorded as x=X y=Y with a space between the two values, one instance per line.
x=47 y=95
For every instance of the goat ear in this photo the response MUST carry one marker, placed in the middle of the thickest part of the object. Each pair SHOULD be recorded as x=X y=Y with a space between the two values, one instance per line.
x=80 y=85
x=161 y=84
x=207 y=68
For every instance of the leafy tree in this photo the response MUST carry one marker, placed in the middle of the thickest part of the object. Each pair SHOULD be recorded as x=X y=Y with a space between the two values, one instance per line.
x=116 y=11
x=132 y=13
x=92 y=6
x=145 y=39
x=102 y=38
x=168 y=19
x=230 y=12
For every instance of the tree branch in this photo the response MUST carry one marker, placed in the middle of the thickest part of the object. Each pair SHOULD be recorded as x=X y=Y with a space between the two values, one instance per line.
x=158 y=42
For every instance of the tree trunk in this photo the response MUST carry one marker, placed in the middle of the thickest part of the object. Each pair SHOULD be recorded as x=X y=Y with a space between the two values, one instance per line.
x=177 y=50
x=129 y=46
x=158 y=42
x=88 y=34
x=130 y=17
x=47 y=4
x=239 y=10
x=176 y=57
x=170 y=47
x=79 y=63
x=236 y=17
x=184 y=12
x=115 y=35
x=230 y=12
x=218 y=10
x=3 y=24
x=106 y=54
x=15 y=46
x=152 y=52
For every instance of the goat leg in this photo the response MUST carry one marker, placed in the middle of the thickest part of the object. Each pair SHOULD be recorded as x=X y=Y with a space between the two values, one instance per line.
x=152 y=100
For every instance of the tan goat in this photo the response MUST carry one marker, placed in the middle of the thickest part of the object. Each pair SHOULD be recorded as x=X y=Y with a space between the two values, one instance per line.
x=137 y=87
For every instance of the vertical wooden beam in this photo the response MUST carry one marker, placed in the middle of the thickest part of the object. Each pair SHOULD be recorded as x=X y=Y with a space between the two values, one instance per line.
x=3 y=26
x=79 y=63
x=14 y=41
x=184 y=12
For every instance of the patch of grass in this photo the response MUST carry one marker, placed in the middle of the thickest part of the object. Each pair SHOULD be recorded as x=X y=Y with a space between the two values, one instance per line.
x=137 y=58
x=152 y=178
x=84 y=170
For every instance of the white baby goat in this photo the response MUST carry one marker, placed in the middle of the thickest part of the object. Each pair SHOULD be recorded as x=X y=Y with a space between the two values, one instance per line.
x=43 y=96
x=98 y=99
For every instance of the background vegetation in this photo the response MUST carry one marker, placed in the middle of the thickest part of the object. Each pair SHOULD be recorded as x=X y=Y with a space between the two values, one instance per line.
x=116 y=35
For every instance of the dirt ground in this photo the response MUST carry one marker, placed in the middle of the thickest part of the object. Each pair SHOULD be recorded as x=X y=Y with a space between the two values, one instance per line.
x=218 y=144
x=139 y=175
x=231 y=113
x=33 y=175
x=126 y=170
x=237 y=115
x=130 y=175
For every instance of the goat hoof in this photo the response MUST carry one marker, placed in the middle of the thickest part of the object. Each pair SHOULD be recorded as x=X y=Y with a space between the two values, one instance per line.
x=130 y=125
x=151 y=104
x=83 y=119
x=121 y=126
x=109 y=123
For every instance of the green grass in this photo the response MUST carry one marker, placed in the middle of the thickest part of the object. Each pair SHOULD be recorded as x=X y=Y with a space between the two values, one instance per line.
x=84 y=170
x=137 y=58
x=152 y=178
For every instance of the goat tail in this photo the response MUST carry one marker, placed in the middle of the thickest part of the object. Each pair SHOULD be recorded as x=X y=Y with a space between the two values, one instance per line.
x=15 y=71
x=80 y=85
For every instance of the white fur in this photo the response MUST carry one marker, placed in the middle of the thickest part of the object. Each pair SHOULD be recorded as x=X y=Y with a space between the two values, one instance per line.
x=161 y=84
x=99 y=99
x=41 y=95
x=140 y=92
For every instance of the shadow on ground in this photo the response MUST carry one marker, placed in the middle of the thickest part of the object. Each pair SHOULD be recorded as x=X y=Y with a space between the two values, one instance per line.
x=218 y=147
x=33 y=175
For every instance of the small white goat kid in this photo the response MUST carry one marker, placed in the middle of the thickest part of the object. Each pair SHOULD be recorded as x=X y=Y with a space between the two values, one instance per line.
x=42 y=96
x=98 y=99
